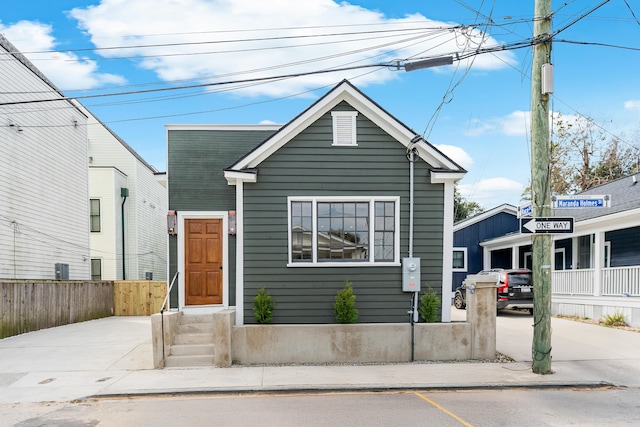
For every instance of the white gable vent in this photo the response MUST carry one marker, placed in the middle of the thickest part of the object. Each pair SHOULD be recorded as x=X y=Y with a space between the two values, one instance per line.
x=344 y=127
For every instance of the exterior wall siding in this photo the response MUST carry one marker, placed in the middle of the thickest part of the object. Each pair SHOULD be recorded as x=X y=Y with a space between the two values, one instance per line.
x=44 y=213
x=106 y=245
x=144 y=210
x=196 y=161
x=471 y=236
x=309 y=166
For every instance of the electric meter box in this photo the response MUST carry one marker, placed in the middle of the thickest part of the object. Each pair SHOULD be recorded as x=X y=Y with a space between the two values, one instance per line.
x=410 y=274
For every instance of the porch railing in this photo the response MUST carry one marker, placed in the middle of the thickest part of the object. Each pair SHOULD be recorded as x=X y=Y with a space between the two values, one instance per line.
x=573 y=282
x=621 y=281
x=614 y=281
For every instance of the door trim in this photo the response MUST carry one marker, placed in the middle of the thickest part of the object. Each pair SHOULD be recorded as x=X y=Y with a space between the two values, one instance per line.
x=224 y=215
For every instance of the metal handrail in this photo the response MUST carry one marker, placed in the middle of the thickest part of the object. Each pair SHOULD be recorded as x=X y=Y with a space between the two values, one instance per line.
x=166 y=298
x=164 y=303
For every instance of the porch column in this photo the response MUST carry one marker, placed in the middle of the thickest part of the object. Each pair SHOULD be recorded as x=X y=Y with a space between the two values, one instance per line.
x=515 y=258
x=598 y=258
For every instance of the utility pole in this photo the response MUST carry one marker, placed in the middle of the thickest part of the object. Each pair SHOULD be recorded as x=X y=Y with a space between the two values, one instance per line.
x=540 y=186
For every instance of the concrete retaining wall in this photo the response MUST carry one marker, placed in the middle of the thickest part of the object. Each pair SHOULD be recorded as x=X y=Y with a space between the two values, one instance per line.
x=356 y=343
x=167 y=322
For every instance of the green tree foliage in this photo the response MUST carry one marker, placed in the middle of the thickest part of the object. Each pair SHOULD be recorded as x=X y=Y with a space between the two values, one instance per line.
x=583 y=155
x=463 y=208
x=428 y=307
x=263 y=307
x=344 y=307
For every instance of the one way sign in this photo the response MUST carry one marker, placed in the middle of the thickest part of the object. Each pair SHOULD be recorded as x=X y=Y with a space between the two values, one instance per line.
x=547 y=225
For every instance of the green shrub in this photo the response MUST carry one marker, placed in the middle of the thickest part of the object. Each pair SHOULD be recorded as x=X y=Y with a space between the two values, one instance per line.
x=344 y=307
x=615 y=319
x=263 y=307
x=428 y=307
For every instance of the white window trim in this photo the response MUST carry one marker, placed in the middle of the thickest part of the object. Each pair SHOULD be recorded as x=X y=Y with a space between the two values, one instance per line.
x=606 y=254
x=464 y=256
x=204 y=309
x=314 y=221
x=528 y=255
x=99 y=214
x=337 y=136
x=560 y=251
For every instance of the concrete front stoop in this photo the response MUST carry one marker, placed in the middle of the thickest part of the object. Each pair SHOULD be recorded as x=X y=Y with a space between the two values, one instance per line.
x=194 y=342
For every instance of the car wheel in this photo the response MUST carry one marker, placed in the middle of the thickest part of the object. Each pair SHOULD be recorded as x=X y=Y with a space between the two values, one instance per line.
x=458 y=302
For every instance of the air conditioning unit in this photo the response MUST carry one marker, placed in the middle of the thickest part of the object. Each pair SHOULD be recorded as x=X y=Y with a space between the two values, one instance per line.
x=62 y=271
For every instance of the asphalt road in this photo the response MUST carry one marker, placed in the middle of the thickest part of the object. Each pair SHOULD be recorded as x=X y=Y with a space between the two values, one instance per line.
x=412 y=408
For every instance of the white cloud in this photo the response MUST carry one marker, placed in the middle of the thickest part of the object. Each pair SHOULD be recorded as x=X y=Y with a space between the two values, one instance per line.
x=65 y=70
x=456 y=154
x=633 y=104
x=216 y=26
x=517 y=123
x=492 y=192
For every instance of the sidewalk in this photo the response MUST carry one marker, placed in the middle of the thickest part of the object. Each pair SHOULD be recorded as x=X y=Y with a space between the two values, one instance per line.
x=112 y=357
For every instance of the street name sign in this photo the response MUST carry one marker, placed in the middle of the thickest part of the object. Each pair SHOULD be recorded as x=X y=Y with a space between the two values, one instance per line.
x=581 y=201
x=547 y=226
x=525 y=210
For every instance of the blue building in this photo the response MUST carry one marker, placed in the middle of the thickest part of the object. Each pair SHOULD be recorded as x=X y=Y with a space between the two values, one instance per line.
x=470 y=232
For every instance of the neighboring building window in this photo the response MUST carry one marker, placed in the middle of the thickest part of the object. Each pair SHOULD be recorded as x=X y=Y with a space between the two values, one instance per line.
x=340 y=231
x=344 y=127
x=96 y=269
x=459 y=259
x=95 y=215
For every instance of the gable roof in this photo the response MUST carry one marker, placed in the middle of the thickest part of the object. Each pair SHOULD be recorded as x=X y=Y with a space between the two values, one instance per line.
x=504 y=208
x=625 y=196
x=345 y=91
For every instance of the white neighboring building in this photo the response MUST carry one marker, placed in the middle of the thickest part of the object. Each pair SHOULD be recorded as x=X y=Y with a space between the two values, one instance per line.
x=115 y=169
x=44 y=214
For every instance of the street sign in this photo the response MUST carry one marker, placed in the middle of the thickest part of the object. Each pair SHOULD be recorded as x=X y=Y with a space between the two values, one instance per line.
x=581 y=201
x=547 y=226
x=525 y=210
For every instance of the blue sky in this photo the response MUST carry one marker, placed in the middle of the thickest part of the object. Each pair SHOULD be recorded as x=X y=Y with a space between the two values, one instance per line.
x=476 y=110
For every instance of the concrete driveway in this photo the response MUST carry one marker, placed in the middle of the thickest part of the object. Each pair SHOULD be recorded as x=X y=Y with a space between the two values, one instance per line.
x=573 y=343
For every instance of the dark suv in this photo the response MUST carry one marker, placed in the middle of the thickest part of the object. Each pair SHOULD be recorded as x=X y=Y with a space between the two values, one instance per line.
x=515 y=290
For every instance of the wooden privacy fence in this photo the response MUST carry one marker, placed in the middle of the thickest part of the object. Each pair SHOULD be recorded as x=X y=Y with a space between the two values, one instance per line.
x=29 y=305
x=138 y=297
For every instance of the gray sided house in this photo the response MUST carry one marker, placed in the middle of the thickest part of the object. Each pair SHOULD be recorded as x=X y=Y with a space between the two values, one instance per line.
x=299 y=209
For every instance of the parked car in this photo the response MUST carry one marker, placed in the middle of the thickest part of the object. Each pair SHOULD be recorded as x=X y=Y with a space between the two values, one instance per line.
x=515 y=290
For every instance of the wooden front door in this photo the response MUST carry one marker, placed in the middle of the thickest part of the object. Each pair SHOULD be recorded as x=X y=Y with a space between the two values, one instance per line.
x=203 y=261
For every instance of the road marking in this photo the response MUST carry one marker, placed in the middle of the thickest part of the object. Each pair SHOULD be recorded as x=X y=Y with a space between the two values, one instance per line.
x=446 y=411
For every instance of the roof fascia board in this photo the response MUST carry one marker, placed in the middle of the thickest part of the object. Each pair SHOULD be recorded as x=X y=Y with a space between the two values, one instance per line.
x=345 y=92
x=442 y=177
x=621 y=220
x=506 y=208
x=233 y=176
x=237 y=127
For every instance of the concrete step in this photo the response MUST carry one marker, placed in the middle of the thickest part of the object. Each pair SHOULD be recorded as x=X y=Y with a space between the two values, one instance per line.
x=181 y=361
x=194 y=338
x=192 y=349
x=195 y=328
x=195 y=318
